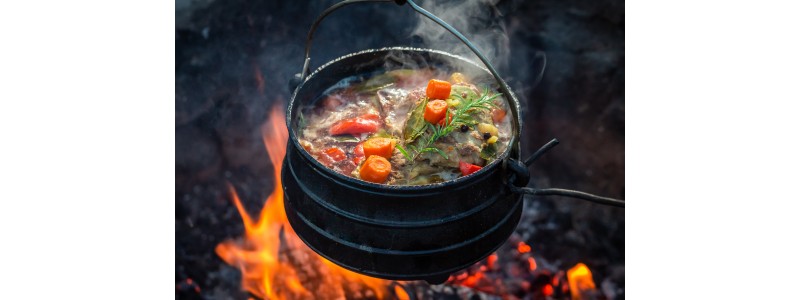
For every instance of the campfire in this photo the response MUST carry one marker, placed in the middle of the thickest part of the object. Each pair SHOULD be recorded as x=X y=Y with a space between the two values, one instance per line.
x=276 y=264
x=234 y=62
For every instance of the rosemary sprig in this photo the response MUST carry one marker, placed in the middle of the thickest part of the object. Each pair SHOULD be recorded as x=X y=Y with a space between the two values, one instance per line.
x=461 y=116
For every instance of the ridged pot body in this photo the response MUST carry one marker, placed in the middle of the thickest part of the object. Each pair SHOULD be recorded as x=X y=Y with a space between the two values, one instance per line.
x=396 y=232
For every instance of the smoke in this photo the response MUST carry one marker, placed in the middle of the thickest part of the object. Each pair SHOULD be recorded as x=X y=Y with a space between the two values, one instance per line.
x=479 y=21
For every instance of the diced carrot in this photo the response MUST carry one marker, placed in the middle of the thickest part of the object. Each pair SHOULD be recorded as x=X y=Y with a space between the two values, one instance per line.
x=335 y=154
x=498 y=115
x=435 y=111
x=367 y=123
x=438 y=89
x=467 y=168
x=379 y=146
x=375 y=169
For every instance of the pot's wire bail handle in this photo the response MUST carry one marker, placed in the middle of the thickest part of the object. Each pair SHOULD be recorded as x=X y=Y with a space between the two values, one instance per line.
x=520 y=176
x=306 y=61
x=504 y=88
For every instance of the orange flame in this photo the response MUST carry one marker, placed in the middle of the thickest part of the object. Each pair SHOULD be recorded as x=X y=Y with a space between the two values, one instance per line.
x=401 y=293
x=269 y=270
x=581 y=284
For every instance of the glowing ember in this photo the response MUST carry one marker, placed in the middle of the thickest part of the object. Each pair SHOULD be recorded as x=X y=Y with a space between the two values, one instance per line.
x=531 y=264
x=547 y=290
x=523 y=248
x=274 y=262
x=581 y=284
x=491 y=260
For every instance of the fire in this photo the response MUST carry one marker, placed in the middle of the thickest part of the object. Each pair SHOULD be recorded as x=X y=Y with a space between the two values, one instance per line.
x=523 y=248
x=531 y=264
x=581 y=284
x=274 y=262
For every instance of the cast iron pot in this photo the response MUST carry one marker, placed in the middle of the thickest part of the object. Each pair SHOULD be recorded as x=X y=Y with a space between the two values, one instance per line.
x=399 y=232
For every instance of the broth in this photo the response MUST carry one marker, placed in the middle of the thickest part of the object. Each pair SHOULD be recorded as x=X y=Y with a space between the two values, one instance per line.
x=406 y=127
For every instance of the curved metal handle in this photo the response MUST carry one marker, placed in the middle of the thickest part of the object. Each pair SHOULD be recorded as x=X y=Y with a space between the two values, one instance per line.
x=519 y=177
x=504 y=88
x=319 y=19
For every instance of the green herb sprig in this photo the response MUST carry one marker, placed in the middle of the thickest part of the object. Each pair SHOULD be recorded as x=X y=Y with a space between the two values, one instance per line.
x=461 y=116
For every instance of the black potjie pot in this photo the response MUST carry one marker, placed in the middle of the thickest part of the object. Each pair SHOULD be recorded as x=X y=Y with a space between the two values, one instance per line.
x=399 y=232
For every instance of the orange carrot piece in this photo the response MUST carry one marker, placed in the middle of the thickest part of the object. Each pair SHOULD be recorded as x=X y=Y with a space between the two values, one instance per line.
x=435 y=111
x=375 y=169
x=438 y=89
x=379 y=146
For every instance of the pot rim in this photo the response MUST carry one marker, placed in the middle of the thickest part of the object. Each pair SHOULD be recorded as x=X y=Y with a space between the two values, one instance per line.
x=500 y=161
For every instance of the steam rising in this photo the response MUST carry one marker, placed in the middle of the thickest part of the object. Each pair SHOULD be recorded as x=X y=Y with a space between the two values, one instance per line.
x=477 y=20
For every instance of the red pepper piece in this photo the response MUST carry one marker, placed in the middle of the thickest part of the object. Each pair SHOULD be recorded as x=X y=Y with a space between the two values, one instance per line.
x=467 y=168
x=335 y=154
x=366 y=123
x=359 y=153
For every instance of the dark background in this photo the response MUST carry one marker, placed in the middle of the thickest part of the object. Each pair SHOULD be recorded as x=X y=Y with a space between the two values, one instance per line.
x=224 y=47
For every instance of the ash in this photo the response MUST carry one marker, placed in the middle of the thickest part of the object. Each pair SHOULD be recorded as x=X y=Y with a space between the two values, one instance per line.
x=234 y=60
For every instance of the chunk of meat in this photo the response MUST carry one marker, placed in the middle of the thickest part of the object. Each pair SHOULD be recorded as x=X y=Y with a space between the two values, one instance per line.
x=459 y=146
x=396 y=104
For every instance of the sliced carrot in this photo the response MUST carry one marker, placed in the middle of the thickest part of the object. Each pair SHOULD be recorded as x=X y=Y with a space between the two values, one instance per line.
x=435 y=111
x=498 y=115
x=379 y=146
x=375 y=169
x=366 y=123
x=438 y=89
x=335 y=154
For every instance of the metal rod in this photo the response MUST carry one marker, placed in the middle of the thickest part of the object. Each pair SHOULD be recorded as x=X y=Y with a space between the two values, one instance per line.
x=316 y=24
x=463 y=39
x=573 y=194
x=552 y=143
